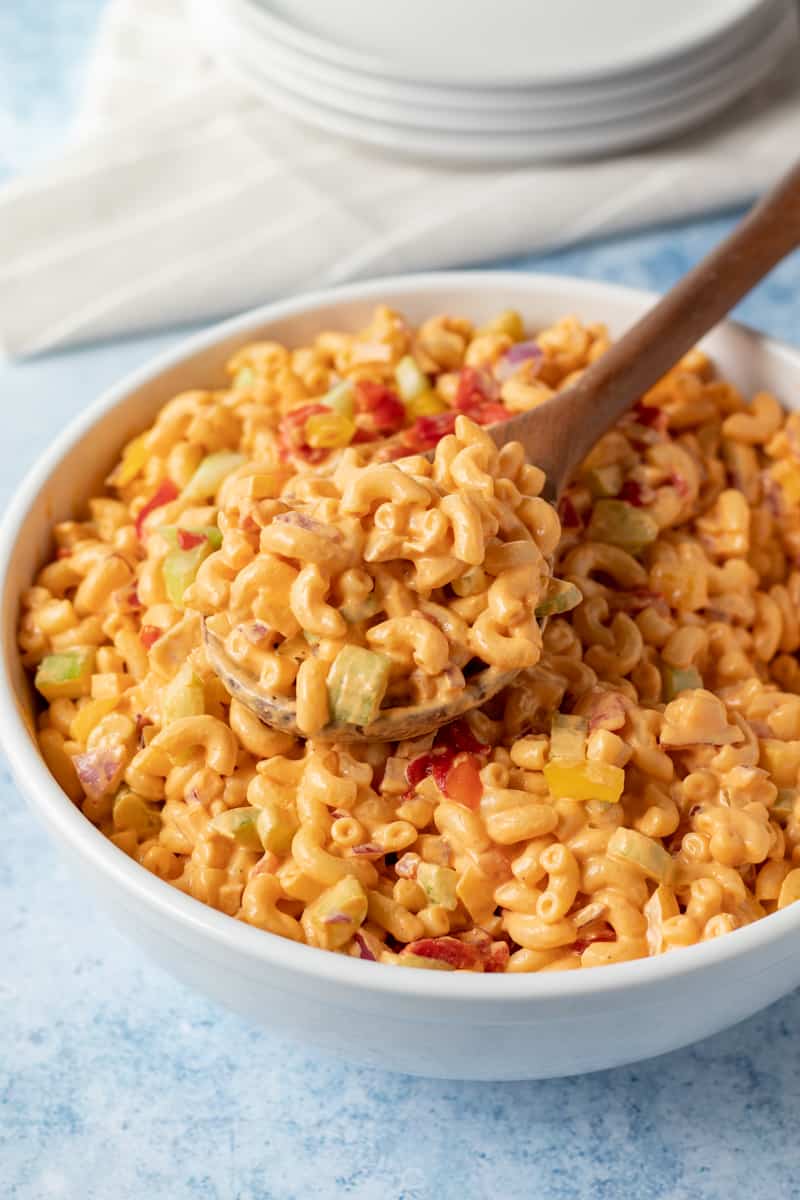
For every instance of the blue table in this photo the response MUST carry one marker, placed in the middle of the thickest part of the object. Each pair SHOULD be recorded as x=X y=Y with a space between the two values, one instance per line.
x=117 y=1082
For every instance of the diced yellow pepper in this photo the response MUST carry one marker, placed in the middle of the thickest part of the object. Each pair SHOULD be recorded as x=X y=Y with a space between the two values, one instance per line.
x=787 y=474
x=329 y=431
x=585 y=781
x=88 y=716
x=426 y=404
x=134 y=457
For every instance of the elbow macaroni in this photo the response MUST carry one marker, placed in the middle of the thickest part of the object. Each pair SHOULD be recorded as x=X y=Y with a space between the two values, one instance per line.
x=294 y=509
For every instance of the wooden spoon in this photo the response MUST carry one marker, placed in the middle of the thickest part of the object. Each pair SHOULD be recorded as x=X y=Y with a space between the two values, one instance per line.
x=558 y=434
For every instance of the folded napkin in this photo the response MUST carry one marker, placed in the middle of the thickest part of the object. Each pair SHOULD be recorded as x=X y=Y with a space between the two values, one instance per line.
x=181 y=196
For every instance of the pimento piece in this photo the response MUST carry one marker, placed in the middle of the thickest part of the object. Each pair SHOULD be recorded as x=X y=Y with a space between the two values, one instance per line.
x=603 y=934
x=291 y=433
x=459 y=736
x=187 y=540
x=149 y=634
x=475 y=388
x=450 y=950
x=164 y=493
x=568 y=514
x=379 y=409
x=421 y=767
x=455 y=773
x=632 y=492
x=427 y=431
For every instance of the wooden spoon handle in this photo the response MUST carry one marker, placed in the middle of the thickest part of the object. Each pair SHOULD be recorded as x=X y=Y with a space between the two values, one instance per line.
x=559 y=433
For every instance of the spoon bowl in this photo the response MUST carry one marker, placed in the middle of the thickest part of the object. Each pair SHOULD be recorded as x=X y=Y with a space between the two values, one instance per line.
x=394 y=725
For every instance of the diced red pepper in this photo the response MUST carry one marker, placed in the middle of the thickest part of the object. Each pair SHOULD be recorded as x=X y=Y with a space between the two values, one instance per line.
x=490 y=413
x=498 y=958
x=632 y=493
x=427 y=431
x=164 y=493
x=188 y=540
x=680 y=484
x=149 y=634
x=423 y=765
x=364 y=435
x=379 y=409
x=652 y=416
x=292 y=433
x=475 y=387
x=463 y=782
x=568 y=514
x=445 y=949
x=459 y=736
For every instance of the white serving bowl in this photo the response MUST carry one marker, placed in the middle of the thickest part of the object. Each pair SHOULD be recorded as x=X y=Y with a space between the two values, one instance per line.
x=422 y=1022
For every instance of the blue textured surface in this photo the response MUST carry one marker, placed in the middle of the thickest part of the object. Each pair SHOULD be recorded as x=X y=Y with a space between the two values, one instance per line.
x=115 y=1081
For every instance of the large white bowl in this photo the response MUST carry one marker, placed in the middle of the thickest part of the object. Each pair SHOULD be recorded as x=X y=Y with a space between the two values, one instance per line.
x=423 y=1022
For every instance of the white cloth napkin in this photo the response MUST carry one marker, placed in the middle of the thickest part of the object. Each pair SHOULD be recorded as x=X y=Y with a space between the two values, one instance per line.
x=182 y=197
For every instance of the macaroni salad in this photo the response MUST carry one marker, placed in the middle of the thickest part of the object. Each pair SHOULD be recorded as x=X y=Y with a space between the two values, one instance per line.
x=634 y=789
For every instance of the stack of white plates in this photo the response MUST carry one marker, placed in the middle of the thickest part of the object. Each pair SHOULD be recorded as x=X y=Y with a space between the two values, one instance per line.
x=482 y=81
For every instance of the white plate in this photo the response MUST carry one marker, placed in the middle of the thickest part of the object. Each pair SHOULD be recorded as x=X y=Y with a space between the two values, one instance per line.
x=476 y=43
x=273 y=40
x=492 y=148
x=724 y=79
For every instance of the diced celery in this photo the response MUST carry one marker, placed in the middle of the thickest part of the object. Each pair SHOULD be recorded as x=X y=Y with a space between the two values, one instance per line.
x=784 y=804
x=621 y=524
x=341 y=399
x=585 y=781
x=362 y=611
x=509 y=321
x=240 y=825
x=568 y=738
x=642 y=852
x=67 y=675
x=357 y=682
x=471 y=582
x=276 y=827
x=410 y=378
x=214 y=468
x=331 y=920
x=329 y=431
x=438 y=884
x=244 y=378
x=184 y=696
x=180 y=568
x=604 y=482
x=88 y=716
x=679 y=679
x=560 y=597
x=210 y=533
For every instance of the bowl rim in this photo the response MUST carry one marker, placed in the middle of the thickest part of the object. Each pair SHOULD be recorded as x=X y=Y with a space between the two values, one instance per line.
x=158 y=899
